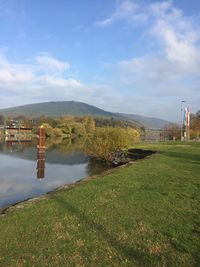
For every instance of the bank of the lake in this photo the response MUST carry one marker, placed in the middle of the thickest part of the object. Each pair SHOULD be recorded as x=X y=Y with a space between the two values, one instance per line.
x=146 y=214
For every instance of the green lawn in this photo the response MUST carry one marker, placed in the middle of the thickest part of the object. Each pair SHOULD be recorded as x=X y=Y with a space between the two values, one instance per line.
x=146 y=214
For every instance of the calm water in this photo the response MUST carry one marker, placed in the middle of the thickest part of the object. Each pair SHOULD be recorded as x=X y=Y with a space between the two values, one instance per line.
x=25 y=173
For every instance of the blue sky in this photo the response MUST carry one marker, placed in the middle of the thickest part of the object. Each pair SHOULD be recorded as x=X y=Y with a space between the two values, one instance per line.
x=131 y=56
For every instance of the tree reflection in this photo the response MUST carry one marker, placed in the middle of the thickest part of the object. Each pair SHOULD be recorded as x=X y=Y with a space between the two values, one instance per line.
x=97 y=167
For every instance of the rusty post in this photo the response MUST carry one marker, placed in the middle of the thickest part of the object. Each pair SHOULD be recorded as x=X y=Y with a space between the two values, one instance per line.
x=41 y=139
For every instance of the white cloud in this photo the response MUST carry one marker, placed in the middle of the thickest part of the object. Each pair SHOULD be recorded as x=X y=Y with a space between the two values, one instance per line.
x=160 y=8
x=170 y=73
x=176 y=33
x=13 y=74
x=58 y=81
x=126 y=10
x=166 y=24
x=29 y=83
x=51 y=63
x=32 y=79
x=152 y=82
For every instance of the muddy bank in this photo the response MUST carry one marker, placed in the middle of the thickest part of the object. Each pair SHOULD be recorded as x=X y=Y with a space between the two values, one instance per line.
x=122 y=157
x=135 y=153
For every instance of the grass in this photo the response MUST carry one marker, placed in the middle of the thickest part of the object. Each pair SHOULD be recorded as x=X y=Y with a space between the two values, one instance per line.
x=146 y=214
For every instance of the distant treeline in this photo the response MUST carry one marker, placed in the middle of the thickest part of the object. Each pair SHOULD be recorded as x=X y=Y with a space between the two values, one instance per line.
x=102 y=138
x=173 y=131
x=68 y=124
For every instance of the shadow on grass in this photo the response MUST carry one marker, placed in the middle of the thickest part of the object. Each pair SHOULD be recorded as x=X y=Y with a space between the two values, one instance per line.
x=124 y=250
x=184 y=156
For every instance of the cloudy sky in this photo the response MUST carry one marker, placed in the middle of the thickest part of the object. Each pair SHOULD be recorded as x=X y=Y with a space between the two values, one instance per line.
x=131 y=56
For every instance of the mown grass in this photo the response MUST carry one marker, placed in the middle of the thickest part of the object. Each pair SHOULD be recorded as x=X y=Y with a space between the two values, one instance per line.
x=146 y=214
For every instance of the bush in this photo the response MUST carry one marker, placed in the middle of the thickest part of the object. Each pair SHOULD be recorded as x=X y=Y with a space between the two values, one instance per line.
x=57 y=132
x=106 y=142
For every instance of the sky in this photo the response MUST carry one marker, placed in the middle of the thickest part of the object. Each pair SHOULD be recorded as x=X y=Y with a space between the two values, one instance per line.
x=131 y=56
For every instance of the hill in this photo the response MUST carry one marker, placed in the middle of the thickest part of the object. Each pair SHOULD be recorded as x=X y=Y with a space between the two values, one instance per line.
x=56 y=109
x=148 y=122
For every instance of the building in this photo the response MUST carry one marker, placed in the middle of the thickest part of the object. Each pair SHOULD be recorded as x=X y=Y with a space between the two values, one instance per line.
x=17 y=134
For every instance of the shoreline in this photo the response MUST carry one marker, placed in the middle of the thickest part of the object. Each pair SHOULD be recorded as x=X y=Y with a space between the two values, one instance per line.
x=21 y=204
x=132 y=216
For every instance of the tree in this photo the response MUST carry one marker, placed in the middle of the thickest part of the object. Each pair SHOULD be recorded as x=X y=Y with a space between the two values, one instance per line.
x=89 y=124
x=2 y=119
x=172 y=131
x=198 y=114
x=78 y=129
x=64 y=124
x=57 y=132
x=195 y=125
x=105 y=142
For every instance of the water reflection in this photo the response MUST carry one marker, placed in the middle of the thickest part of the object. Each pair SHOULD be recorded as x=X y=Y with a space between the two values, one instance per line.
x=15 y=146
x=40 y=164
x=41 y=153
x=23 y=166
x=95 y=167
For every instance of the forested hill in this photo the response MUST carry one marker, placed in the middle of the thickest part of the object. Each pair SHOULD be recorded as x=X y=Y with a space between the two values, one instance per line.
x=148 y=122
x=56 y=109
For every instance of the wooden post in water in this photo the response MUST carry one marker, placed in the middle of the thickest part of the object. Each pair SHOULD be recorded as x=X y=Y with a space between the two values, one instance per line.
x=41 y=138
x=41 y=153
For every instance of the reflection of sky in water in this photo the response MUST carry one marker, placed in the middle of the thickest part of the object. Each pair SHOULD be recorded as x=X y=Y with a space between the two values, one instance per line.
x=18 y=177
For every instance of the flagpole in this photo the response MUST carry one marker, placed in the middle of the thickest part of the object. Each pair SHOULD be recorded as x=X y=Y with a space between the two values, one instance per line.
x=188 y=123
x=182 y=101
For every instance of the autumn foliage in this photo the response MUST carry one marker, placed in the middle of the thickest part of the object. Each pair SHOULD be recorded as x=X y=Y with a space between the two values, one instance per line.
x=105 y=142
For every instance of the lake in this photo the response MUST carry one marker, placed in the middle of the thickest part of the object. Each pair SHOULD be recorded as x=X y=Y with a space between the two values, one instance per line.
x=26 y=173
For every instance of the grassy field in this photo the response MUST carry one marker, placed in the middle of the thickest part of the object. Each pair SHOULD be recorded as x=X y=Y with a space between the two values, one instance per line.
x=146 y=214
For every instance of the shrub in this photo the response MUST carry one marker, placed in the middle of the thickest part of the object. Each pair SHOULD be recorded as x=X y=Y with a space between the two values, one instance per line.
x=57 y=132
x=106 y=142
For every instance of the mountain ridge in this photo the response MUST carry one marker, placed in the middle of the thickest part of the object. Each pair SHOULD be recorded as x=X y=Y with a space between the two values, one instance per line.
x=59 y=108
